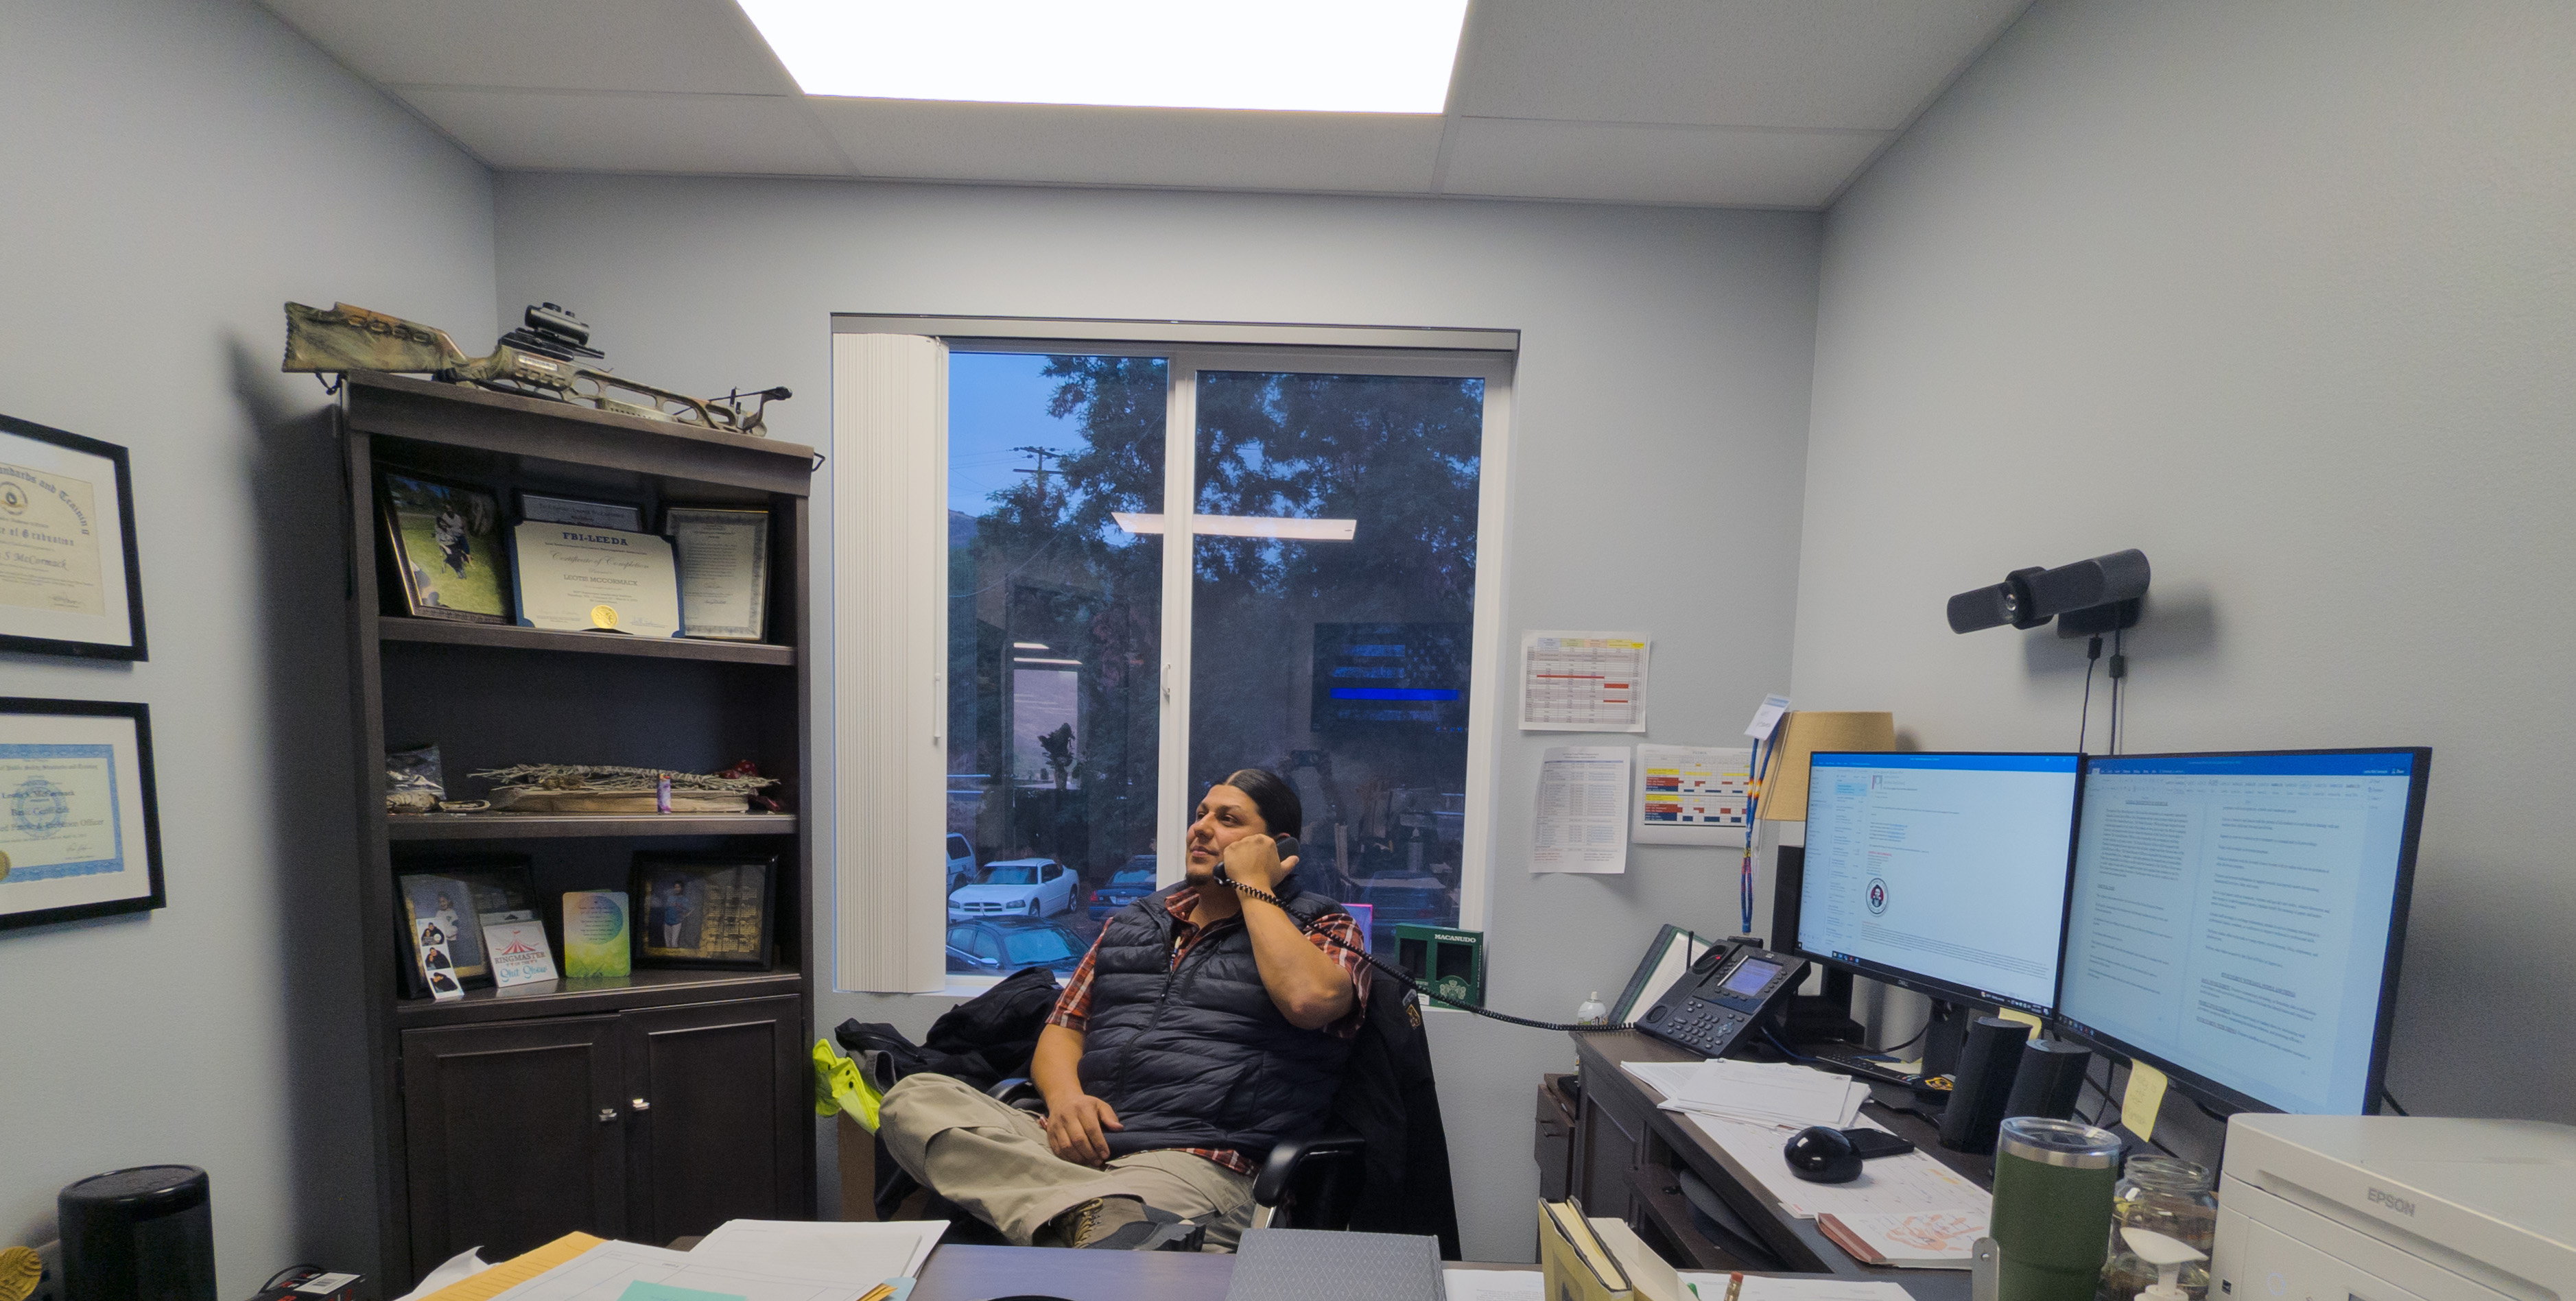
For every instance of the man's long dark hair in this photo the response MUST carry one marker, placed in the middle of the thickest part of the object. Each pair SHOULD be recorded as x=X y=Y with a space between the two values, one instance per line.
x=1282 y=813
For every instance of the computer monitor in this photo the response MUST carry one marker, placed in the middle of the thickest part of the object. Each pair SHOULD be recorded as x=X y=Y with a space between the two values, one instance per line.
x=2236 y=920
x=1943 y=873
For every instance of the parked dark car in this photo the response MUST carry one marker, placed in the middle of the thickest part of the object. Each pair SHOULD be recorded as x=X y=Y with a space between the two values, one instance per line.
x=1007 y=944
x=1131 y=883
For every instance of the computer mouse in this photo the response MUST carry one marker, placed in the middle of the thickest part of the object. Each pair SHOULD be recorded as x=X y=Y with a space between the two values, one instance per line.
x=1822 y=1154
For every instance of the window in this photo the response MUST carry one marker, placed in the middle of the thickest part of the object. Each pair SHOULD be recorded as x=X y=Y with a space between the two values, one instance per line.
x=1104 y=659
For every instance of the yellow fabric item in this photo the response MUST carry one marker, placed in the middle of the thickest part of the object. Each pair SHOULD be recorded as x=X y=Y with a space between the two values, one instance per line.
x=839 y=1087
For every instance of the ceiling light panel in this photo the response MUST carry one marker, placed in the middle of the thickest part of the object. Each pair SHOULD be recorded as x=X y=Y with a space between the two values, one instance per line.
x=1335 y=56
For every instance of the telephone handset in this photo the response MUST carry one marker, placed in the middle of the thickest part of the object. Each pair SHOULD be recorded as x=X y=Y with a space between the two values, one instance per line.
x=1287 y=850
x=1723 y=997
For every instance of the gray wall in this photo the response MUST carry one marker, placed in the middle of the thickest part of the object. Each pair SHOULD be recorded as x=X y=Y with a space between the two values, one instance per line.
x=2281 y=294
x=1661 y=405
x=175 y=170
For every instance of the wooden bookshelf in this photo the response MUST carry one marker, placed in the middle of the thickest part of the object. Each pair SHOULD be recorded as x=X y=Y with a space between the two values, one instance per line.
x=544 y=1079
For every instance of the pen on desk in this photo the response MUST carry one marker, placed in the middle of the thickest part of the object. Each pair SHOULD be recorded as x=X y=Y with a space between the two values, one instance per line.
x=1734 y=1287
x=878 y=1293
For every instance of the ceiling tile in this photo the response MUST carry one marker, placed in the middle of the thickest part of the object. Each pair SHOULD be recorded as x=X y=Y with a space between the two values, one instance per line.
x=713 y=134
x=1623 y=163
x=1189 y=148
x=704 y=46
x=1855 y=64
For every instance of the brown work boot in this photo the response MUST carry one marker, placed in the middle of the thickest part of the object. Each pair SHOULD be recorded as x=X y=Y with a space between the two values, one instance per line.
x=1124 y=1224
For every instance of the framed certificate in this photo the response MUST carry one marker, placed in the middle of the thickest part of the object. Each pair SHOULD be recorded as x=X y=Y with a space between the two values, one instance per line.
x=724 y=571
x=545 y=509
x=575 y=578
x=69 y=580
x=80 y=832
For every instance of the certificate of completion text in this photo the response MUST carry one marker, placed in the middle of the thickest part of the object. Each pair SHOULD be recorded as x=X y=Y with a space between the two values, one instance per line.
x=58 y=811
x=49 y=542
x=576 y=578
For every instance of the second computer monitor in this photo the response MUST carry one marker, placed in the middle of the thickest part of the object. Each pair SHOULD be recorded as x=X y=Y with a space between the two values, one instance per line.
x=1943 y=873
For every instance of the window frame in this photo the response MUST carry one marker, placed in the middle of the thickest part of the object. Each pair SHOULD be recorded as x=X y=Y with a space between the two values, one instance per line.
x=871 y=872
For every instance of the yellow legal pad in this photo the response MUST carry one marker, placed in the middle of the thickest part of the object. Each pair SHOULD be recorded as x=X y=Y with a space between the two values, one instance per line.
x=518 y=1269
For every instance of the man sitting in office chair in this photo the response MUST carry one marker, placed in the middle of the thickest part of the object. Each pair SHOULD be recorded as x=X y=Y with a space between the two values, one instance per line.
x=1204 y=1026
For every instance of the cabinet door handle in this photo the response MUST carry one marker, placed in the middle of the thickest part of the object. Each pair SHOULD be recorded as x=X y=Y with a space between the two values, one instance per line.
x=638 y=1104
x=607 y=1115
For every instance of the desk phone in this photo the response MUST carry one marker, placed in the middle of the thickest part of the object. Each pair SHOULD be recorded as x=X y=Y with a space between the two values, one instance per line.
x=1723 y=996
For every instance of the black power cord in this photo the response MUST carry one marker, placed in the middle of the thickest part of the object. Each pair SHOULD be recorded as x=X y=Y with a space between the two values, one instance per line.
x=2092 y=657
x=1409 y=982
x=2393 y=1103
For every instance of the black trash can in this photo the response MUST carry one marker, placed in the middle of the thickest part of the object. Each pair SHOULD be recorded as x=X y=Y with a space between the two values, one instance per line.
x=144 y=1234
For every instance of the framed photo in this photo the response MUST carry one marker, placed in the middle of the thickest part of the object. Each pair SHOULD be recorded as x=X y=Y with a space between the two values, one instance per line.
x=545 y=509
x=461 y=896
x=703 y=910
x=80 y=828
x=447 y=547
x=723 y=558
x=69 y=580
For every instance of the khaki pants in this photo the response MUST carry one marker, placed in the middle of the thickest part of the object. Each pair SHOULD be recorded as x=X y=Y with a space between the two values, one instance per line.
x=992 y=1159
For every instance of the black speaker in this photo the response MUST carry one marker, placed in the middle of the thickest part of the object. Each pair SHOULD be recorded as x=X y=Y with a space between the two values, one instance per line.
x=143 y=1234
x=1982 y=1084
x=2050 y=1077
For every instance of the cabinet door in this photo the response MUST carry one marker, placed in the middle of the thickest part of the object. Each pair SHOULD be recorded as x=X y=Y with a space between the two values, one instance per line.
x=719 y=1115
x=512 y=1135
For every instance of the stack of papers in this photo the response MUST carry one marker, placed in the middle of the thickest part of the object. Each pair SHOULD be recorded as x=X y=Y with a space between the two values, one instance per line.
x=753 y=1260
x=1713 y=1286
x=1780 y=1095
x=840 y=1249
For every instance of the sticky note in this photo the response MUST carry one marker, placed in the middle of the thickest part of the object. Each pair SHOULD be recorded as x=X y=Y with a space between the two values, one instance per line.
x=641 y=1291
x=2144 y=1097
x=2016 y=1014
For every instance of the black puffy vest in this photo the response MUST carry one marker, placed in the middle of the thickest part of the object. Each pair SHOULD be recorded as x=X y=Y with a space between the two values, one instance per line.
x=1200 y=1056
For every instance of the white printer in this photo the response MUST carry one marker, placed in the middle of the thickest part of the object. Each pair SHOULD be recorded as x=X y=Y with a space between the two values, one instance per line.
x=2395 y=1208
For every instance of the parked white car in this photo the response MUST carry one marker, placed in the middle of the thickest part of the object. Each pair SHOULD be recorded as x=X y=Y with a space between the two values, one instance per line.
x=961 y=861
x=1015 y=887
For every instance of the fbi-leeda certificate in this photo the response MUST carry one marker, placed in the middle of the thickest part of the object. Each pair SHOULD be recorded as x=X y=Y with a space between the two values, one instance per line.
x=574 y=578
x=76 y=835
x=724 y=570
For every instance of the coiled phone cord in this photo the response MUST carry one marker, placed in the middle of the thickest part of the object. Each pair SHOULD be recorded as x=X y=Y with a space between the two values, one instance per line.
x=1409 y=982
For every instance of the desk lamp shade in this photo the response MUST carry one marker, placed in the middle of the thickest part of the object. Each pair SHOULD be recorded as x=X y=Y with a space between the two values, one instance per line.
x=1801 y=734
x=143 y=1234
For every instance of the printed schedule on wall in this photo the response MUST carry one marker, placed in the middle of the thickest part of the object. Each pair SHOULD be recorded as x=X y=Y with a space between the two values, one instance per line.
x=1583 y=681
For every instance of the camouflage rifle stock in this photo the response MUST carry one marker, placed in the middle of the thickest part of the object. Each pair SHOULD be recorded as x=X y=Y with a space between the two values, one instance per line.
x=349 y=338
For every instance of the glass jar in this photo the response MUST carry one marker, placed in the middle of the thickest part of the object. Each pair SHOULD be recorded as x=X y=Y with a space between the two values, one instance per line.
x=2166 y=1195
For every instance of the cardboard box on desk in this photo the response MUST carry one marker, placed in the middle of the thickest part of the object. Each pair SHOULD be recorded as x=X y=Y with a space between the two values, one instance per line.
x=1803 y=732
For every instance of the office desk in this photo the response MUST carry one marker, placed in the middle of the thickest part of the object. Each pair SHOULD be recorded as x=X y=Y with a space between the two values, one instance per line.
x=957 y=1272
x=1625 y=1151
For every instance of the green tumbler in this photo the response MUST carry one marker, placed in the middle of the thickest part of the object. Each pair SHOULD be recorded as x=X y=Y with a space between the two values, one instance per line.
x=2053 y=1181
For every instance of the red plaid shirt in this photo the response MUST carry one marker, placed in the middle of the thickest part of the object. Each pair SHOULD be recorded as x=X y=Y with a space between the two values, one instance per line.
x=1073 y=1006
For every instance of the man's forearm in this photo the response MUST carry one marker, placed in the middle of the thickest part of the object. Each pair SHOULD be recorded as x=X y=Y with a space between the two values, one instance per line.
x=1308 y=988
x=1056 y=1066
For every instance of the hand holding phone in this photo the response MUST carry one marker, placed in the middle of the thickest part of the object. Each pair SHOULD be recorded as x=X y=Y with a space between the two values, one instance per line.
x=1284 y=850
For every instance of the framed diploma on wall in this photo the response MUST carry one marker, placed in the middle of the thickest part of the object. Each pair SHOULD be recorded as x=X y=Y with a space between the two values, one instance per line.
x=80 y=830
x=69 y=580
